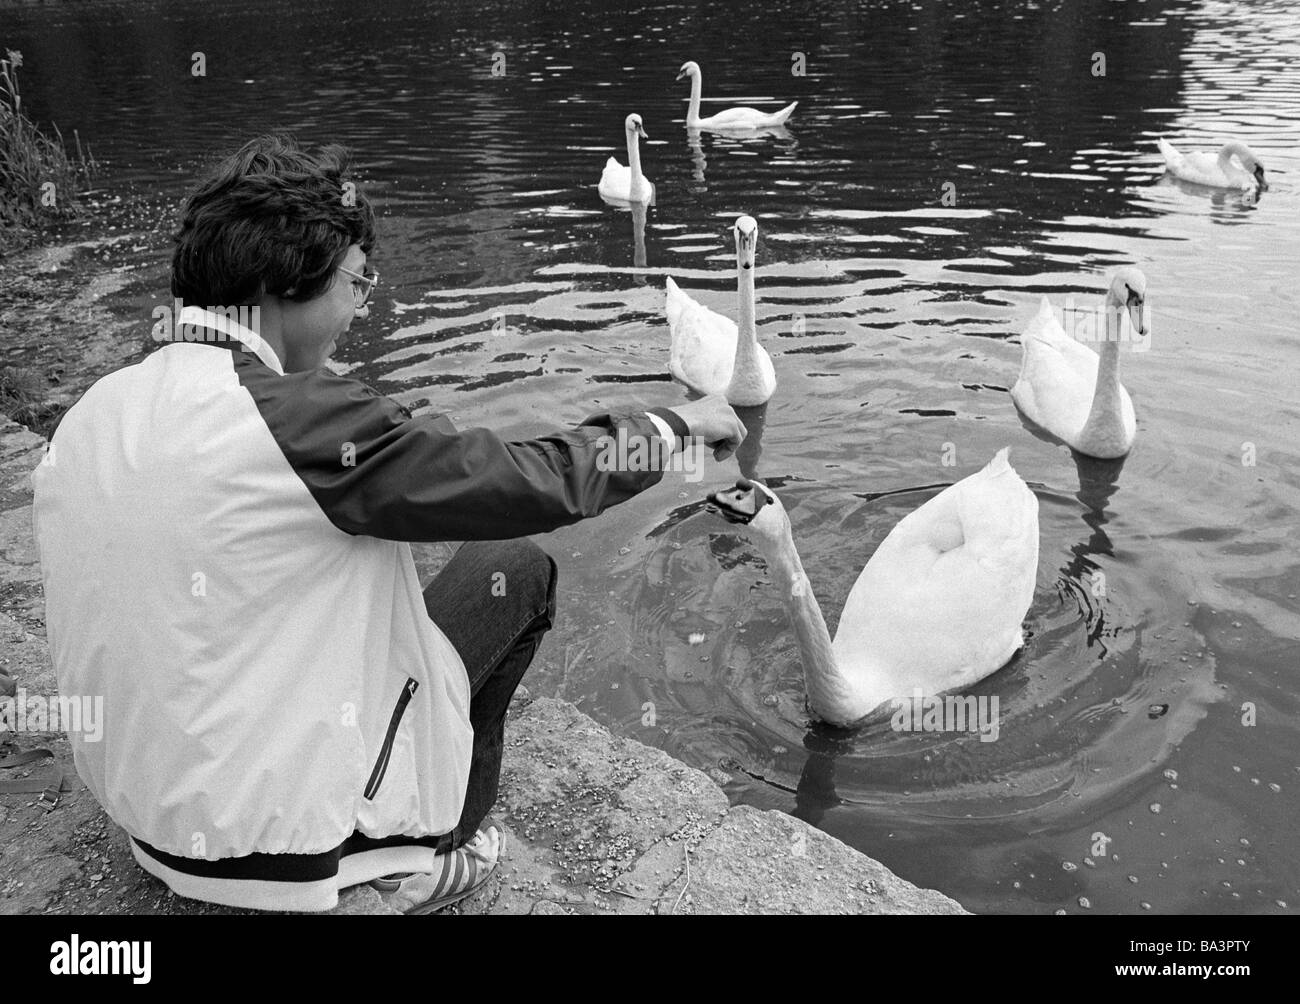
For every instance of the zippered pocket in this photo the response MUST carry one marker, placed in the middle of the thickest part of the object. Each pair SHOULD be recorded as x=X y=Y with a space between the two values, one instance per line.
x=386 y=751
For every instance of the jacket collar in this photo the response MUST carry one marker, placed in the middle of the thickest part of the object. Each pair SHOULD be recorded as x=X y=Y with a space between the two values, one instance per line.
x=233 y=330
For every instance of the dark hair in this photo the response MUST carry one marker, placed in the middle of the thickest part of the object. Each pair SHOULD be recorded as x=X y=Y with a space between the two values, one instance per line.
x=270 y=218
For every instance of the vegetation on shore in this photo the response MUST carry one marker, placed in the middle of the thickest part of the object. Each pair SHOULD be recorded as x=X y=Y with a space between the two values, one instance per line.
x=39 y=178
x=23 y=396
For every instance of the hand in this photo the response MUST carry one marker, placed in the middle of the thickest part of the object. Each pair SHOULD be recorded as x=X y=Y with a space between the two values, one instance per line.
x=711 y=419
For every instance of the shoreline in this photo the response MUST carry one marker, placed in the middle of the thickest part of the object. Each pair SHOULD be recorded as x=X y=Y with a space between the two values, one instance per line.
x=595 y=822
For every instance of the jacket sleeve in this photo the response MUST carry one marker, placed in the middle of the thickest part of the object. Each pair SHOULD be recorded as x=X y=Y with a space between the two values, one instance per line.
x=376 y=470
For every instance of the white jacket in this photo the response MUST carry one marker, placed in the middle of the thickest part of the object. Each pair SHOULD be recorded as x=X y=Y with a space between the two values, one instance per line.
x=224 y=562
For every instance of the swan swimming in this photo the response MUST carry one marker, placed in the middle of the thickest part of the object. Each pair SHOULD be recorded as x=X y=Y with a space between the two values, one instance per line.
x=1219 y=171
x=939 y=606
x=732 y=118
x=711 y=354
x=628 y=184
x=1073 y=392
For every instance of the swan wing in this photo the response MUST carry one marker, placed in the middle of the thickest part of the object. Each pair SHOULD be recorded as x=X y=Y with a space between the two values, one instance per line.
x=747 y=118
x=999 y=521
x=615 y=180
x=1197 y=167
x=994 y=572
x=703 y=348
x=1203 y=169
x=1058 y=376
x=941 y=602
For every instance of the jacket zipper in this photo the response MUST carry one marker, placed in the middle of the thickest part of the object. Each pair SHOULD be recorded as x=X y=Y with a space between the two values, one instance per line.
x=386 y=751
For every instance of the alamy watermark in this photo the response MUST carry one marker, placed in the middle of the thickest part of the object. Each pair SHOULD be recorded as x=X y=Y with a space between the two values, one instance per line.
x=635 y=452
x=167 y=329
x=1092 y=323
x=75 y=957
x=25 y=712
x=951 y=713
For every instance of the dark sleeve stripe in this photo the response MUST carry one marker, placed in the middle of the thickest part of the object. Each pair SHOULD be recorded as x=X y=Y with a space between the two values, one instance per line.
x=375 y=470
x=675 y=422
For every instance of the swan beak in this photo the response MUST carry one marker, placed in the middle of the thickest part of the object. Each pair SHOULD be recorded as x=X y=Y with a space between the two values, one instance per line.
x=681 y=74
x=1259 y=177
x=740 y=504
x=1137 y=313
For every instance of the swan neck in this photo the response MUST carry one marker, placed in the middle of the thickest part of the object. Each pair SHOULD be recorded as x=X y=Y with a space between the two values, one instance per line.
x=634 y=163
x=697 y=89
x=748 y=329
x=1106 y=402
x=830 y=692
x=1229 y=149
x=1117 y=326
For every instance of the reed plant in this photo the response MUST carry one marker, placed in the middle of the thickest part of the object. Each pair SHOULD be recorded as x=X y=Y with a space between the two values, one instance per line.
x=39 y=177
x=22 y=395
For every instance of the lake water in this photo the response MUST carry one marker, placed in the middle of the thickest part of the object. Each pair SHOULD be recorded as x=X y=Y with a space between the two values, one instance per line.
x=1149 y=746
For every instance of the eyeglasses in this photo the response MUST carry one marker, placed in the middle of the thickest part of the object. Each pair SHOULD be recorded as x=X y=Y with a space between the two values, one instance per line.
x=361 y=294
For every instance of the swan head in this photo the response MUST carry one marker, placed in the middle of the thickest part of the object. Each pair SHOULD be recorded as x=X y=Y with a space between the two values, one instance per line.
x=751 y=504
x=1128 y=291
x=690 y=68
x=632 y=124
x=1248 y=160
x=746 y=230
x=1258 y=172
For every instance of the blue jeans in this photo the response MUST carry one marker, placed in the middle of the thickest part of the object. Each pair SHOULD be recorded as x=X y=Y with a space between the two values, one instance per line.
x=494 y=601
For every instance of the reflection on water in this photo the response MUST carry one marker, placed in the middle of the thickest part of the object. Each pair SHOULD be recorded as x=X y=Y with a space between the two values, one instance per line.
x=754 y=419
x=1166 y=612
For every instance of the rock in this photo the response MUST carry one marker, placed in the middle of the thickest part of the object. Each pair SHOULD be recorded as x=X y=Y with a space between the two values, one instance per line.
x=768 y=862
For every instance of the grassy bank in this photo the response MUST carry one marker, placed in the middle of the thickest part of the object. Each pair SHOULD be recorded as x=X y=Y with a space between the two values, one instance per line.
x=23 y=394
x=39 y=176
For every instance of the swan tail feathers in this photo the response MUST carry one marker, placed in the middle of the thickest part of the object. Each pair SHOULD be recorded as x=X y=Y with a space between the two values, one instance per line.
x=1040 y=325
x=1172 y=157
x=614 y=180
x=780 y=117
x=999 y=518
x=674 y=303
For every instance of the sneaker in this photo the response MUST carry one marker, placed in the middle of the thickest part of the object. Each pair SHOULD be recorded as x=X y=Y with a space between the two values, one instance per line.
x=461 y=873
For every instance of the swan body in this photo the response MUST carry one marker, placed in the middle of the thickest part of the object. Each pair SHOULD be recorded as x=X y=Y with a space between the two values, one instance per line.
x=1073 y=392
x=628 y=184
x=733 y=118
x=710 y=353
x=939 y=606
x=1217 y=171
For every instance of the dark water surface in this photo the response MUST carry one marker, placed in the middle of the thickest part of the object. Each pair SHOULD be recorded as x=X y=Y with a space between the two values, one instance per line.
x=513 y=296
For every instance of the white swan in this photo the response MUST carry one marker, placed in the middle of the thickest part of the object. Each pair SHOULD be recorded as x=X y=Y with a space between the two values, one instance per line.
x=628 y=184
x=1202 y=168
x=1070 y=390
x=709 y=353
x=732 y=118
x=938 y=607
